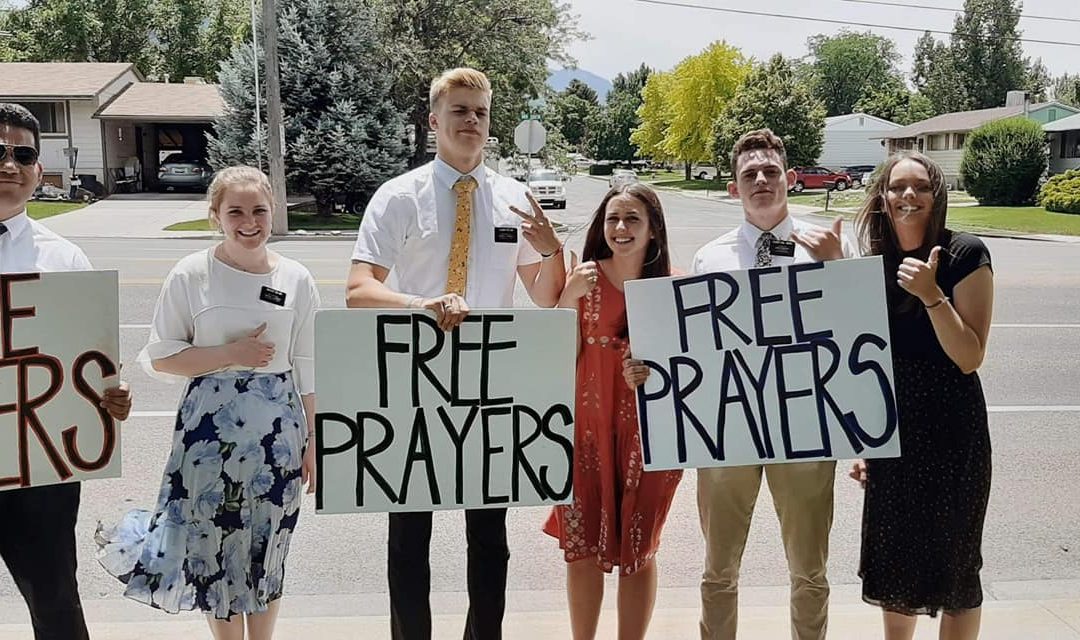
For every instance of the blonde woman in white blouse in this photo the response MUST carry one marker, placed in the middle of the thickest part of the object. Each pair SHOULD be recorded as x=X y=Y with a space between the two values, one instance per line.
x=236 y=320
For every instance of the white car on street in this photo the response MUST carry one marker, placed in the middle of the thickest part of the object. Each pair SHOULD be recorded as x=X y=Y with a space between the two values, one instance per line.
x=622 y=176
x=547 y=187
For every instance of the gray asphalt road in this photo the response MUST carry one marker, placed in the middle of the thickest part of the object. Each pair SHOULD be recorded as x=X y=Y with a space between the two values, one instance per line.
x=1032 y=531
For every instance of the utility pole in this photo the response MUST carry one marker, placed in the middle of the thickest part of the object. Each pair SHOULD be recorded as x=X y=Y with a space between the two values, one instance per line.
x=258 y=94
x=275 y=127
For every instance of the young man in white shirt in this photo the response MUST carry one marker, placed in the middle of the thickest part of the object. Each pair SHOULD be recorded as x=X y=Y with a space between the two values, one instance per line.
x=802 y=492
x=38 y=538
x=456 y=236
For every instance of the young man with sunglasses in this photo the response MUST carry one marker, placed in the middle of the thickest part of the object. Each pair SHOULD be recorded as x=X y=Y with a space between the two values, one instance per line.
x=37 y=540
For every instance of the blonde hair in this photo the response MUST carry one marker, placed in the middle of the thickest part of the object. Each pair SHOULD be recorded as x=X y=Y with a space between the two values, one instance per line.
x=237 y=176
x=456 y=78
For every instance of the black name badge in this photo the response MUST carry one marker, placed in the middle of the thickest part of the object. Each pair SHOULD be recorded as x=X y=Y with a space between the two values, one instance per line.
x=273 y=296
x=506 y=234
x=784 y=248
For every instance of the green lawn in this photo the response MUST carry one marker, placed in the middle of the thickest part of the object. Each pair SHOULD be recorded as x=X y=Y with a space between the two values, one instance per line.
x=297 y=220
x=1021 y=219
x=38 y=209
x=692 y=185
x=855 y=198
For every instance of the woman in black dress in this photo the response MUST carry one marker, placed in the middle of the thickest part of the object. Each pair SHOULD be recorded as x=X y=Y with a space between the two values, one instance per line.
x=923 y=512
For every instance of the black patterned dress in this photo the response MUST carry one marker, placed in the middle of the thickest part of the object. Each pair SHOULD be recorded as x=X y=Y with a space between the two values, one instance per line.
x=923 y=512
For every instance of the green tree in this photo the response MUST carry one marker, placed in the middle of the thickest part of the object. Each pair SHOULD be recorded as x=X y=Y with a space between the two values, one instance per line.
x=609 y=133
x=573 y=111
x=986 y=52
x=895 y=102
x=679 y=110
x=1066 y=89
x=793 y=113
x=343 y=135
x=512 y=41
x=1004 y=160
x=848 y=66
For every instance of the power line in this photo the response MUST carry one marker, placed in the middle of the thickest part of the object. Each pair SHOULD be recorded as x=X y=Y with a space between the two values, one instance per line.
x=853 y=23
x=1020 y=15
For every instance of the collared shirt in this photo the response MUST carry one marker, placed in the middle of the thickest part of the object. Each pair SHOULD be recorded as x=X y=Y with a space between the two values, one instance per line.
x=737 y=249
x=409 y=225
x=29 y=246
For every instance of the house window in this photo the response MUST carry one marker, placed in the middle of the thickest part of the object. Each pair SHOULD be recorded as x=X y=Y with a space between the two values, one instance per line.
x=1070 y=144
x=937 y=142
x=1051 y=114
x=50 y=114
x=958 y=140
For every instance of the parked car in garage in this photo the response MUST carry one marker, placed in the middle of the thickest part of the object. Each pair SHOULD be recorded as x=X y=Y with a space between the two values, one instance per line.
x=547 y=187
x=179 y=171
x=819 y=178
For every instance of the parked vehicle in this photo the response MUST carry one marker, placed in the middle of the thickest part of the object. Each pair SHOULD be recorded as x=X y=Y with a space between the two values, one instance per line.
x=860 y=173
x=819 y=178
x=620 y=176
x=179 y=171
x=547 y=187
x=703 y=172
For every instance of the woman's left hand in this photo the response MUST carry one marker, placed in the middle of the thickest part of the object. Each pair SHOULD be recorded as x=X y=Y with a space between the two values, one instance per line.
x=920 y=278
x=307 y=469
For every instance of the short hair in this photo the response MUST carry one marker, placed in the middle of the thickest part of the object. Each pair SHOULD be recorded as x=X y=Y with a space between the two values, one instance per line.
x=455 y=78
x=16 y=115
x=237 y=176
x=760 y=139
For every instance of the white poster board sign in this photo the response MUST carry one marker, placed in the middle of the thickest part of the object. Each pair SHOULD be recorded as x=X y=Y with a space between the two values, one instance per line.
x=59 y=351
x=412 y=418
x=776 y=364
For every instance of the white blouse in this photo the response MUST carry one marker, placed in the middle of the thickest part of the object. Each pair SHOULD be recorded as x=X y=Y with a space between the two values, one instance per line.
x=206 y=303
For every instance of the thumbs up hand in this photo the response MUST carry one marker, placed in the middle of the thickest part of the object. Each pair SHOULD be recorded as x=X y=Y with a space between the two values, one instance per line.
x=920 y=278
x=581 y=279
x=823 y=244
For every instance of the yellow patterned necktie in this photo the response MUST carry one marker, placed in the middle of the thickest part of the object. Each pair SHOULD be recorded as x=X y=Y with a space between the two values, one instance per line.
x=458 y=270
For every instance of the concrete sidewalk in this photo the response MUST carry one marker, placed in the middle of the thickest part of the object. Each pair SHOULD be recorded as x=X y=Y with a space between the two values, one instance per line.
x=543 y=616
x=131 y=216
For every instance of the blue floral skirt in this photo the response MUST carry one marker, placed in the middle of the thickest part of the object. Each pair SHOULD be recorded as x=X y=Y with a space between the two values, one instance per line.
x=228 y=503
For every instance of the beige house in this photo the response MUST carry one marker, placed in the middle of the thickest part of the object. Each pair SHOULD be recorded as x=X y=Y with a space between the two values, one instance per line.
x=942 y=137
x=120 y=125
x=1064 y=137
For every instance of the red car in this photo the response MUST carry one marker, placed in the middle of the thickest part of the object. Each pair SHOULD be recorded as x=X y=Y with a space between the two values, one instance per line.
x=817 y=177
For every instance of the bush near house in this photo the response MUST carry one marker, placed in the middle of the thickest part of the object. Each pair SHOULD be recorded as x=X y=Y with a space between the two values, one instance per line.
x=1062 y=193
x=1003 y=161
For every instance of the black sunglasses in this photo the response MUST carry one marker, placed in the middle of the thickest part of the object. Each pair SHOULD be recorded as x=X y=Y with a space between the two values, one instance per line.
x=25 y=156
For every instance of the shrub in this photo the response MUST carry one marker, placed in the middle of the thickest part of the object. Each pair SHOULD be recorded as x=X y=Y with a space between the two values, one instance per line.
x=1003 y=161
x=1061 y=193
x=601 y=169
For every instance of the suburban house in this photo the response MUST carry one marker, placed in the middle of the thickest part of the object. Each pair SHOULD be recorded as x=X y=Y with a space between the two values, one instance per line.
x=104 y=123
x=854 y=139
x=942 y=137
x=1064 y=137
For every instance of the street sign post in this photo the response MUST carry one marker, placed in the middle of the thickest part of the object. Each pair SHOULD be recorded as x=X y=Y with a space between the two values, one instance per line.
x=529 y=136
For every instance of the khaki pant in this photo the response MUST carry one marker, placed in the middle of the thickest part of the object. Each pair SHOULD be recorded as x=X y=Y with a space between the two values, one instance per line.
x=803 y=496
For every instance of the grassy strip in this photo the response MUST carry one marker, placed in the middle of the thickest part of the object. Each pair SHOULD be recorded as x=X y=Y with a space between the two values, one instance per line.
x=38 y=209
x=1021 y=220
x=692 y=185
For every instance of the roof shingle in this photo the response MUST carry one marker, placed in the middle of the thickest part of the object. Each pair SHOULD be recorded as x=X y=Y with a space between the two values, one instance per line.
x=61 y=80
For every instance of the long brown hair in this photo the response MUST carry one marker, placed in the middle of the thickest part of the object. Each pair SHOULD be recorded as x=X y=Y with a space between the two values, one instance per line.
x=657 y=262
x=877 y=234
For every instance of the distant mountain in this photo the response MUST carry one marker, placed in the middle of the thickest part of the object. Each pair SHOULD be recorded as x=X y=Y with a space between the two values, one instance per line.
x=559 y=80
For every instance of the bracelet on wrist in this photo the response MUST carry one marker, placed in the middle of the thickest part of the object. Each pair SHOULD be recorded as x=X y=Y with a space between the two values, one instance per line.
x=547 y=256
x=942 y=300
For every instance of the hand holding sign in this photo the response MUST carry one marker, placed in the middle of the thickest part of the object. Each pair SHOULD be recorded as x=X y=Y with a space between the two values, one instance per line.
x=635 y=372
x=117 y=401
x=307 y=469
x=249 y=351
x=537 y=229
x=823 y=244
x=582 y=278
x=858 y=472
x=920 y=278
x=450 y=310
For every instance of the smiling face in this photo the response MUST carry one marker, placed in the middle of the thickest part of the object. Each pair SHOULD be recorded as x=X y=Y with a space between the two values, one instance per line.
x=761 y=184
x=909 y=195
x=17 y=181
x=626 y=226
x=461 y=122
x=244 y=216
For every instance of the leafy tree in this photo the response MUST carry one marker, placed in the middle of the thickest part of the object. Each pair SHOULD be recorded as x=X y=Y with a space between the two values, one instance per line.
x=573 y=111
x=609 y=133
x=343 y=134
x=793 y=113
x=848 y=66
x=895 y=102
x=1066 y=89
x=1004 y=160
x=683 y=106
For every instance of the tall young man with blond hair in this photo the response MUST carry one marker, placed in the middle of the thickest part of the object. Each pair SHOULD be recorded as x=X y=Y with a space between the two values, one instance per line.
x=456 y=236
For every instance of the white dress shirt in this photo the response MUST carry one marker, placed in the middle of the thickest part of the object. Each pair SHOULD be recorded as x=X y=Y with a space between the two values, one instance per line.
x=409 y=224
x=206 y=303
x=30 y=247
x=737 y=249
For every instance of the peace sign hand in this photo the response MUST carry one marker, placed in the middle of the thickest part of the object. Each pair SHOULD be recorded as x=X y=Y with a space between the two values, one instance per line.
x=537 y=229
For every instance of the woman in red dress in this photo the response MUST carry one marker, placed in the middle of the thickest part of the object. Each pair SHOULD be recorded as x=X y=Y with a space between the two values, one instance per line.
x=618 y=509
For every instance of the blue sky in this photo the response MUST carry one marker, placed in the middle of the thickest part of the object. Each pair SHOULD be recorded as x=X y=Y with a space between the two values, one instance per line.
x=627 y=33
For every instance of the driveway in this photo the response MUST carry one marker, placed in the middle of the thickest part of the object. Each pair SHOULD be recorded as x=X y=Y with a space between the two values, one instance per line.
x=132 y=215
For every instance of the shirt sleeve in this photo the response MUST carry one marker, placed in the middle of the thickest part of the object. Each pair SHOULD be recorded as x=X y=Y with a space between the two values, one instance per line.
x=172 y=329
x=79 y=261
x=966 y=254
x=303 y=339
x=384 y=228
